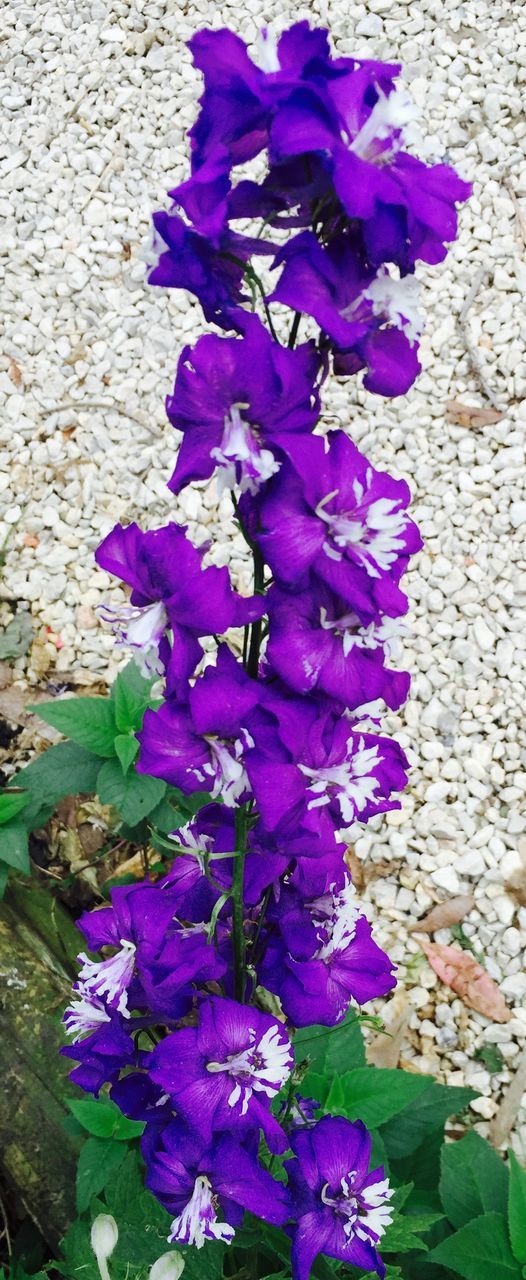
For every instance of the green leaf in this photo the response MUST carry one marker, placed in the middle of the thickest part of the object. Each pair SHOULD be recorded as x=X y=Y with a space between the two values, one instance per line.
x=11 y=803
x=63 y=770
x=104 y=1120
x=404 y=1233
x=14 y=847
x=4 y=873
x=126 y=749
x=479 y=1251
x=16 y=638
x=473 y=1180
x=517 y=1208
x=130 y=695
x=375 y=1094
x=133 y=794
x=98 y=1161
x=492 y=1057
x=79 y=1259
x=427 y=1112
x=90 y=722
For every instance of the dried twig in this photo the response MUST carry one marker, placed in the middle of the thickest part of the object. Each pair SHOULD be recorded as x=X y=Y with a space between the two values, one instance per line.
x=503 y=1121
x=470 y=348
x=5 y=1230
x=521 y=218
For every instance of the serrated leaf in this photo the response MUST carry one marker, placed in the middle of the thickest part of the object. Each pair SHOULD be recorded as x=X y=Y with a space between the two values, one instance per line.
x=426 y=1113
x=517 y=1208
x=11 y=803
x=404 y=1233
x=14 y=849
x=473 y=1180
x=375 y=1094
x=479 y=1251
x=16 y=638
x=90 y=722
x=63 y=770
x=98 y=1161
x=133 y=794
x=79 y=1259
x=130 y=695
x=126 y=750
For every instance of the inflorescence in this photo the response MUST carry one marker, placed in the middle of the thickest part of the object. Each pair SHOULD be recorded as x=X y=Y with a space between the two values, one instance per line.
x=280 y=730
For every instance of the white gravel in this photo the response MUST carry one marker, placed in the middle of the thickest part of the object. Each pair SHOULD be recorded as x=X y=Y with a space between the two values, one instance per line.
x=96 y=100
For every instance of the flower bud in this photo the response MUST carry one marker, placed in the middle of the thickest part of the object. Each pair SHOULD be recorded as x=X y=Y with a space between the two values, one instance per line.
x=104 y=1236
x=168 y=1267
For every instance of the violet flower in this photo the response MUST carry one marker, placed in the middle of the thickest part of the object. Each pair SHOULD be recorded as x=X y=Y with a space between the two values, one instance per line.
x=346 y=524
x=317 y=642
x=340 y=1208
x=232 y=421
x=323 y=957
x=371 y=319
x=317 y=767
x=223 y=1074
x=196 y=1183
x=171 y=592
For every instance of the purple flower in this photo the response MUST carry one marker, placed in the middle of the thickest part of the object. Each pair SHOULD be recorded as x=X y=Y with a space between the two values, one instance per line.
x=223 y=1074
x=101 y=1055
x=333 y=516
x=180 y=258
x=323 y=957
x=196 y=1183
x=233 y=421
x=342 y=1210
x=364 y=314
x=318 y=768
x=239 y=94
x=170 y=590
x=317 y=642
x=157 y=963
x=201 y=745
x=360 y=122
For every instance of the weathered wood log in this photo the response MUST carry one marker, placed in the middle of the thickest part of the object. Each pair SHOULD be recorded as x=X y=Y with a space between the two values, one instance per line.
x=37 y=1155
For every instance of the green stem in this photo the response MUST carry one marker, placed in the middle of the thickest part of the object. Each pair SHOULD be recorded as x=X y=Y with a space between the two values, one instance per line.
x=257 y=627
x=294 y=329
x=238 y=934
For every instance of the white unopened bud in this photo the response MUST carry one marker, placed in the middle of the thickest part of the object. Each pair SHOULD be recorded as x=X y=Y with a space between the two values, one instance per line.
x=104 y=1236
x=168 y=1267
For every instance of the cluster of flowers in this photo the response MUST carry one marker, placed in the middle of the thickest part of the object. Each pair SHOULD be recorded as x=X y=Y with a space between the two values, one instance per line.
x=283 y=738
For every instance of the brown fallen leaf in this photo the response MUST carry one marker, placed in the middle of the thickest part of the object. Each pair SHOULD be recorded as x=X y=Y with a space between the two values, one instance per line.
x=14 y=372
x=460 y=971
x=356 y=868
x=384 y=1050
x=444 y=914
x=471 y=415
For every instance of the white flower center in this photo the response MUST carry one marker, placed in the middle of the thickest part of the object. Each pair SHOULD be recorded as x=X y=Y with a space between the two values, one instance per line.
x=384 y=634
x=84 y=1015
x=139 y=629
x=397 y=301
x=226 y=768
x=198 y=1220
x=109 y=979
x=240 y=458
x=263 y=1067
x=388 y=118
x=366 y=1208
x=267 y=51
x=352 y=782
x=374 y=530
x=334 y=917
